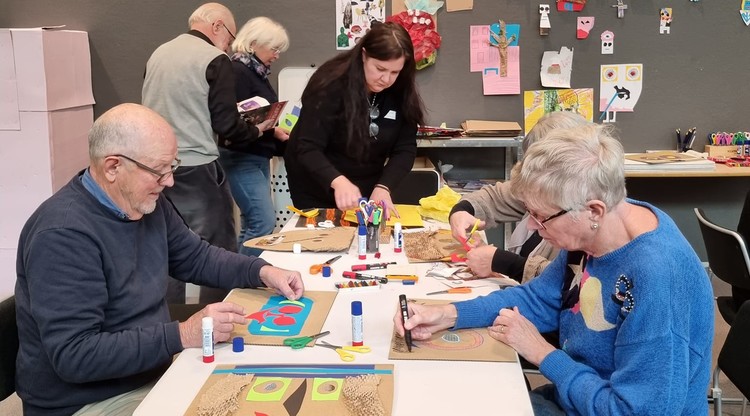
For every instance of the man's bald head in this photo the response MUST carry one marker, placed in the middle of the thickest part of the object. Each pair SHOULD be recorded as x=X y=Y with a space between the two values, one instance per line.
x=127 y=129
x=209 y=13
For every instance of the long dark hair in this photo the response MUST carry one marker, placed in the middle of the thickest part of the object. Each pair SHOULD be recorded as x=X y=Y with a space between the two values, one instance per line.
x=384 y=42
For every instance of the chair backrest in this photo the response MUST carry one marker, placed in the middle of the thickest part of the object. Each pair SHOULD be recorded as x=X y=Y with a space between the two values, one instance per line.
x=733 y=357
x=743 y=227
x=727 y=252
x=415 y=185
x=8 y=347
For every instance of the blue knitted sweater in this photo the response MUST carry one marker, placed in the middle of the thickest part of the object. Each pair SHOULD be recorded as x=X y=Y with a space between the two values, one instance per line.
x=636 y=326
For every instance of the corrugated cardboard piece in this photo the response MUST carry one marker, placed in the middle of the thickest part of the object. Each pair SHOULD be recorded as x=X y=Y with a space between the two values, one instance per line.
x=491 y=128
x=328 y=239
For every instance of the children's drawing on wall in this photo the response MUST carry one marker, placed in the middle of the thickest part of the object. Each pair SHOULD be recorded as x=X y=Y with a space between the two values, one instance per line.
x=665 y=20
x=570 y=5
x=745 y=11
x=544 y=25
x=490 y=48
x=583 y=26
x=556 y=68
x=608 y=42
x=540 y=102
x=354 y=18
x=619 y=89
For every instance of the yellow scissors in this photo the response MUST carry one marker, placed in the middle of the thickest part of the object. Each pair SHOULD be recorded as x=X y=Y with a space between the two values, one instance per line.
x=301 y=342
x=343 y=351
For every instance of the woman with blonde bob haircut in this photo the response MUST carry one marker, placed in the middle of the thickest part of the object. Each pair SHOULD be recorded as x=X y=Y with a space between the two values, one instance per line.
x=259 y=43
x=630 y=298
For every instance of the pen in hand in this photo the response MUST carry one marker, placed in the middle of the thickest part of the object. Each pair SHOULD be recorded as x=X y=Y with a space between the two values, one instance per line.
x=404 y=317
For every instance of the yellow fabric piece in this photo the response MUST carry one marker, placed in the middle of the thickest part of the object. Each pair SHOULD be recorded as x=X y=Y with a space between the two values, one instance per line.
x=439 y=205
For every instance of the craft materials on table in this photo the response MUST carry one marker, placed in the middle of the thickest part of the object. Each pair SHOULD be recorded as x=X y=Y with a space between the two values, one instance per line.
x=305 y=214
x=358 y=285
x=404 y=307
x=296 y=389
x=371 y=266
x=317 y=268
x=363 y=276
x=207 y=328
x=357 y=324
x=273 y=318
x=469 y=344
x=301 y=342
x=409 y=216
x=432 y=245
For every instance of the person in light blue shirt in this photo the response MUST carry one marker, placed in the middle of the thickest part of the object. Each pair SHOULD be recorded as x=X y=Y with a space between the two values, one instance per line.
x=629 y=296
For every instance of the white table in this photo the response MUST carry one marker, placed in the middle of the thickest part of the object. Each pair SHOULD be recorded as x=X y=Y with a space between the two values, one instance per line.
x=421 y=387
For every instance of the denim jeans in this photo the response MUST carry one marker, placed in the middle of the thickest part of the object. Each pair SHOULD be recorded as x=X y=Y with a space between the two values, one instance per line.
x=250 y=181
x=543 y=401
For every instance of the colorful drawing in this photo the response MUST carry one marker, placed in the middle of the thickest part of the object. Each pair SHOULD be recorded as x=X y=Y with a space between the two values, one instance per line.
x=285 y=389
x=570 y=5
x=485 y=55
x=274 y=318
x=280 y=316
x=556 y=68
x=540 y=102
x=619 y=90
x=354 y=19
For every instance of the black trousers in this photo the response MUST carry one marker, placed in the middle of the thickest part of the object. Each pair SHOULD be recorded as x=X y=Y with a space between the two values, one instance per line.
x=202 y=197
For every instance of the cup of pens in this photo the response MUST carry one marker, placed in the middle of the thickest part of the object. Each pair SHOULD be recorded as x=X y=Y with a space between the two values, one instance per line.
x=370 y=214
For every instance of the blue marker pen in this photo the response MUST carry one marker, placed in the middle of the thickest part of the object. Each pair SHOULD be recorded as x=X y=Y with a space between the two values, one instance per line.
x=362 y=242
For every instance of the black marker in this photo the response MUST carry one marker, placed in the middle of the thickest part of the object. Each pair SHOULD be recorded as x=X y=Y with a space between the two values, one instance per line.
x=404 y=317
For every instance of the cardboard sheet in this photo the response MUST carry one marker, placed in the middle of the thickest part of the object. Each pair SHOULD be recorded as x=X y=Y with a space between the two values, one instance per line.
x=461 y=345
x=269 y=314
x=297 y=389
x=432 y=245
x=329 y=239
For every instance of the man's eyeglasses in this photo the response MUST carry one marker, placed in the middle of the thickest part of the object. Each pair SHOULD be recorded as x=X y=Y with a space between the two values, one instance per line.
x=229 y=31
x=374 y=114
x=540 y=223
x=160 y=176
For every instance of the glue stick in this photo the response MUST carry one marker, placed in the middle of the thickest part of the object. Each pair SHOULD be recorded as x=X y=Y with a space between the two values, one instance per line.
x=362 y=242
x=398 y=238
x=357 y=327
x=207 y=325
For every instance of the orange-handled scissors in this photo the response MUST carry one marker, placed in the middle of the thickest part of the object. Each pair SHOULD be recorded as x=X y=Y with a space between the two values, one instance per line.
x=316 y=268
x=461 y=289
x=343 y=351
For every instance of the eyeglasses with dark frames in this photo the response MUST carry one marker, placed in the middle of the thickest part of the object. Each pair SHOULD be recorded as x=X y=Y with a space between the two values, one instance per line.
x=229 y=31
x=159 y=175
x=541 y=223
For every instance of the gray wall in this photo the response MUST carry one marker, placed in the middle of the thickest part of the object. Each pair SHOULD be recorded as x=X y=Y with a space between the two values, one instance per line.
x=694 y=77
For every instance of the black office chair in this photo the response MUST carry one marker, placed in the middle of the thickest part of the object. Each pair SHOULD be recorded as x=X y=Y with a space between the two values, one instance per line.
x=8 y=347
x=416 y=184
x=733 y=358
x=728 y=260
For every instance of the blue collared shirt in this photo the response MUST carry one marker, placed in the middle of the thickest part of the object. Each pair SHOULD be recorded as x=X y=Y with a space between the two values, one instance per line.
x=90 y=184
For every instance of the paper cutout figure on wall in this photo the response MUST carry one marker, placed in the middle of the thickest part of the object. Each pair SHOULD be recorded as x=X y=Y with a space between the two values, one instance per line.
x=354 y=19
x=570 y=5
x=418 y=21
x=556 y=68
x=544 y=25
x=500 y=41
x=665 y=20
x=621 y=7
x=608 y=42
x=745 y=11
x=619 y=90
x=280 y=316
x=485 y=59
x=584 y=26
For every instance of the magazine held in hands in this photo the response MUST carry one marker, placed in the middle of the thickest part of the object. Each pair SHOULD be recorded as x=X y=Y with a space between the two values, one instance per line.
x=257 y=110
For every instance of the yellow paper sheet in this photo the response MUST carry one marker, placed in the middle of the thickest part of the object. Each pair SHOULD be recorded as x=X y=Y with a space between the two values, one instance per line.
x=409 y=216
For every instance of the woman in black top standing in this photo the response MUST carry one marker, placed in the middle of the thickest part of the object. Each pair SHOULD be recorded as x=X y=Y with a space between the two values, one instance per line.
x=356 y=134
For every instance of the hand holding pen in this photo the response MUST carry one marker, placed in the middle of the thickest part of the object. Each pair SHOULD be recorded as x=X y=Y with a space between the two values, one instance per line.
x=423 y=320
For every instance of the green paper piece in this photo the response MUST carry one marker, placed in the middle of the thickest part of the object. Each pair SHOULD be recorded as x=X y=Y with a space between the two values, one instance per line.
x=268 y=389
x=318 y=395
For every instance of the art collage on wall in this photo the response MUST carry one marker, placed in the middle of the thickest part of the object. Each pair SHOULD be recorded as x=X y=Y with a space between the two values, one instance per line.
x=495 y=50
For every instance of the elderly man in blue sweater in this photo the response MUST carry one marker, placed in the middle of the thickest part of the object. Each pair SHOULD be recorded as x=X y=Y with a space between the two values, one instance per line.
x=93 y=261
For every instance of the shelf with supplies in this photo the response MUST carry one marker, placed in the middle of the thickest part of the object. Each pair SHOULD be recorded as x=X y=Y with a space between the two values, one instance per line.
x=512 y=153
